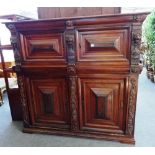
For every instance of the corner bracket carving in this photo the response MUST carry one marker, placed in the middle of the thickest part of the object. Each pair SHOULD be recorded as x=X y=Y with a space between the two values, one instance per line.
x=69 y=24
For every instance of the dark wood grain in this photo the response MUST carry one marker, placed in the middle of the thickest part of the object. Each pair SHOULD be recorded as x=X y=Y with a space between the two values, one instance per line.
x=88 y=80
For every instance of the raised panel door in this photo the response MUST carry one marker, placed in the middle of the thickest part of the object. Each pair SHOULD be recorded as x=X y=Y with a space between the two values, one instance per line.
x=41 y=46
x=49 y=103
x=103 y=49
x=103 y=45
x=103 y=104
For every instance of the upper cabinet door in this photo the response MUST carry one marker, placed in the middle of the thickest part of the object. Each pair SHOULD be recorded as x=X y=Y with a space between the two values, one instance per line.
x=102 y=49
x=106 y=45
x=42 y=46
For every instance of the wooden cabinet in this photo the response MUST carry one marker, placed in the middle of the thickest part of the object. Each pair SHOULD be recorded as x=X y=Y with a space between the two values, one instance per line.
x=78 y=76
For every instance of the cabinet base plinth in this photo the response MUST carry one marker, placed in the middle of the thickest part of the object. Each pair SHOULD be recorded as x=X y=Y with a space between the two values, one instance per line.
x=111 y=137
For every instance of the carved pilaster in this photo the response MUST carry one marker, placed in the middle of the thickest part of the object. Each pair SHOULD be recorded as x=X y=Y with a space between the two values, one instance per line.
x=71 y=71
x=70 y=46
x=23 y=100
x=135 y=68
x=17 y=68
x=132 y=105
x=14 y=43
x=73 y=103
x=135 y=48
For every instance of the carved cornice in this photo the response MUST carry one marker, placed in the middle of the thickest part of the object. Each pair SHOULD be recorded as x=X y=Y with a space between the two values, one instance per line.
x=132 y=105
x=23 y=101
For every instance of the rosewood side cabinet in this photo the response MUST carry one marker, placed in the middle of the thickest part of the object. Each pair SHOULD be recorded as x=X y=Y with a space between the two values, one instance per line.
x=78 y=76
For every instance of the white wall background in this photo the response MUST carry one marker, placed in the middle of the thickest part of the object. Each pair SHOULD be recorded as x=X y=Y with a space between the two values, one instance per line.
x=136 y=9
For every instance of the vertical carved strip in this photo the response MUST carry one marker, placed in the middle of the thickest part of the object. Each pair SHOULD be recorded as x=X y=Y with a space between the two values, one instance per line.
x=135 y=48
x=14 y=43
x=18 y=70
x=73 y=104
x=132 y=105
x=71 y=71
x=23 y=100
x=70 y=42
x=135 y=69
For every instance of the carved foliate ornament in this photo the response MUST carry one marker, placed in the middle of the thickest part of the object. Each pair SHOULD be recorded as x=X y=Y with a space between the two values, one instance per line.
x=135 y=49
x=132 y=105
x=17 y=69
x=12 y=28
x=23 y=101
x=71 y=71
x=139 y=18
x=136 y=68
x=73 y=102
x=69 y=24
x=14 y=43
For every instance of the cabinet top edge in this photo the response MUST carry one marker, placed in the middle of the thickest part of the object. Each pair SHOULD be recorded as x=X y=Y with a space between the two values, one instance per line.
x=97 y=19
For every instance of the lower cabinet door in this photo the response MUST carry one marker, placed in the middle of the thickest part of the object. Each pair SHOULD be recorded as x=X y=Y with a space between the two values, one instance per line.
x=103 y=104
x=49 y=103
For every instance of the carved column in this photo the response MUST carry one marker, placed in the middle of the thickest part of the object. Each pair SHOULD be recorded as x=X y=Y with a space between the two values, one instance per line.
x=133 y=85
x=14 y=43
x=18 y=70
x=135 y=70
x=71 y=71
x=135 y=48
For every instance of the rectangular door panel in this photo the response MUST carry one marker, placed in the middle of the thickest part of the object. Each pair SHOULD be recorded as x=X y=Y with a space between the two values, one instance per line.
x=41 y=46
x=106 y=45
x=49 y=102
x=103 y=104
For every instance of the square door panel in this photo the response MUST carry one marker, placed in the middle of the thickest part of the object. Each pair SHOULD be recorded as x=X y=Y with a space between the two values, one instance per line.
x=49 y=103
x=103 y=105
x=103 y=45
x=43 y=46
